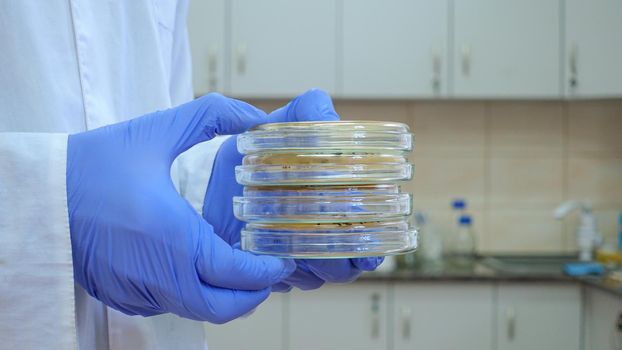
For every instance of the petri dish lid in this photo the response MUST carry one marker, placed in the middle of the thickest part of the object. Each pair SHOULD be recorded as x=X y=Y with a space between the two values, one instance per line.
x=325 y=174
x=262 y=191
x=322 y=209
x=370 y=136
x=329 y=240
x=322 y=158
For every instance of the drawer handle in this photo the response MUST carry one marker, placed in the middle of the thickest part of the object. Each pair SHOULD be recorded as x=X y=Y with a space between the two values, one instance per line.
x=510 y=317
x=436 y=71
x=573 y=66
x=212 y=67
x=406 y=322
x=241 y=58
x=375 y=316
x=466 y=60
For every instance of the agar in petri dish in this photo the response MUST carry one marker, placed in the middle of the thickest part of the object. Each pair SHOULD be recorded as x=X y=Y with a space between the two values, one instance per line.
x=336 y=240
x=337 y=136
x=335 y=208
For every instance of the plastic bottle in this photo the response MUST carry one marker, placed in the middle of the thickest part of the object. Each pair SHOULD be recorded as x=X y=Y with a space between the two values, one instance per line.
x=459 y=206
x=431 y=241
x=464 y=242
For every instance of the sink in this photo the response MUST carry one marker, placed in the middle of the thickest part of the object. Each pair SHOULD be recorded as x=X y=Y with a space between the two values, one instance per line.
x=528 y=264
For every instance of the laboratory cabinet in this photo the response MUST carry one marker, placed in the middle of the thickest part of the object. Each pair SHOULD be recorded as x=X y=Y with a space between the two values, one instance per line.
x=394 y=48
x=509 y=49
x=482 y=315
x=443 y=315
x=339 y=317
x=536 y=316
x=262 y=329
x=280 y=48
x=206 y=33
x=593 y=48
x=506 y=49
x=603 y=314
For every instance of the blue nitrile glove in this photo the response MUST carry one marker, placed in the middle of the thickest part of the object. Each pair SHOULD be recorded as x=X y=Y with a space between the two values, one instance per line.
x=218 y=204
x=137 y=245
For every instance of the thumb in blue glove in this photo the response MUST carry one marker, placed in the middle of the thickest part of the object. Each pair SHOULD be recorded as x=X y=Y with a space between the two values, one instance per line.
x=217 y=207
x=137 y=245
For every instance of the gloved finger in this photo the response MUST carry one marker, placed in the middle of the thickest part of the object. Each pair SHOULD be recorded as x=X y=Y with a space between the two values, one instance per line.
x=223 y=305
x=303 y=278
x=282 y=287
x=368 y=264
x=203 y=119
x=334 y=270
x=218 y=203
x=220 y=265
x=315 y=104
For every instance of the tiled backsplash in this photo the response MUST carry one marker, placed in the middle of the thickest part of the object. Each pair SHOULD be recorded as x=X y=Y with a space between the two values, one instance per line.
x=513 y=161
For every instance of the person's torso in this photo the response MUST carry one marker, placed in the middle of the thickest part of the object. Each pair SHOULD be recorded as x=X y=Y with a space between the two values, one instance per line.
x=73 y=65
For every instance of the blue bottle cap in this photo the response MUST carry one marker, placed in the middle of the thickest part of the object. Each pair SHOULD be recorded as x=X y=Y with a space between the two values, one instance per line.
x=464 y=220
x=458 y=204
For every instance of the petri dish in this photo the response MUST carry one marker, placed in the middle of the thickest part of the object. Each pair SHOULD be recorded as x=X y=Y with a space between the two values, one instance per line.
x=310 y=137
x=322 y=158
x=336 y=208
x=336 y=240
x=325 y=174
x=262 y=191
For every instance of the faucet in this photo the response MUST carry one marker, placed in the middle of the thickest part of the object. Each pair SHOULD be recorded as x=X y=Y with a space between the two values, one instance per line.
x=588 y=236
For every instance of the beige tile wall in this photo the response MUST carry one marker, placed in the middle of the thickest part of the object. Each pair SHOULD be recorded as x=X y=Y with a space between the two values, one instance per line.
x=514 y=162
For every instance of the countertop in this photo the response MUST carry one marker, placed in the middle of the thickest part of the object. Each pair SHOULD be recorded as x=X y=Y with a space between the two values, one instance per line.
x=479 y=271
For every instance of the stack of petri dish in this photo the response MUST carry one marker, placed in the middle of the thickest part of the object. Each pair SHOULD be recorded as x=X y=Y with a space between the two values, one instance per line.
x=325 y=189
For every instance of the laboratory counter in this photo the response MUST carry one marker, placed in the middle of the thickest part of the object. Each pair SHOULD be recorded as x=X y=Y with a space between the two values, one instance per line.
x=489 y=269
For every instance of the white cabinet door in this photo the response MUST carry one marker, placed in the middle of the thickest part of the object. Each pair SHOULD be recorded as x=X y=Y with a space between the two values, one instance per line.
x=507 y=48
x=593 y=57
x=443 y=316
x=539 y=316
x=281 y=48
x=395 y=48
x=206 y=31
x=602 y=311
x=262 y=330
x=339 y=317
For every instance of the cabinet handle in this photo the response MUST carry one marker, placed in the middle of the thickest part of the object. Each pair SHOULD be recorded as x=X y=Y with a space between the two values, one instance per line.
x=466 y=60
x=573 y=66
x=375 y=316
x=212 y=68
x=436 y=71
x=241 y=58
x=510 y=318
x=406 y=313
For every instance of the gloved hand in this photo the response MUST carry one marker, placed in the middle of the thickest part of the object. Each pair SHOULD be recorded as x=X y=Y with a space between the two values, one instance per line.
x=137 y=245
x=218 y=204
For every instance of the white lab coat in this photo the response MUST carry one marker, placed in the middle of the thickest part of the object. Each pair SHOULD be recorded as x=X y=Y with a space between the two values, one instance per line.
x=67 y=66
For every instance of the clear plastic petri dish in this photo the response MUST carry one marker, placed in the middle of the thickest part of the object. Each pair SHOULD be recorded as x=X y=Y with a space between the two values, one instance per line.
x=325 y=174
x=323 y=158
x=336 y=208
x=309 y=137
x=338 y=240
x=349 y=190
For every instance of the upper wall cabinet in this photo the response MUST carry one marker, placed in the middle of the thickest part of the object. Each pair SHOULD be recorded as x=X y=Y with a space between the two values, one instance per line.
x=206 y=30
x=282 y=47
x=593 y=48
x=395 y=48
x=507 y=48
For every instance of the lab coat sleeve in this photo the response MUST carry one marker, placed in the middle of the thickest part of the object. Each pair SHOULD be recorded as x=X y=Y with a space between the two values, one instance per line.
x=194 y=168
x=36 y=273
